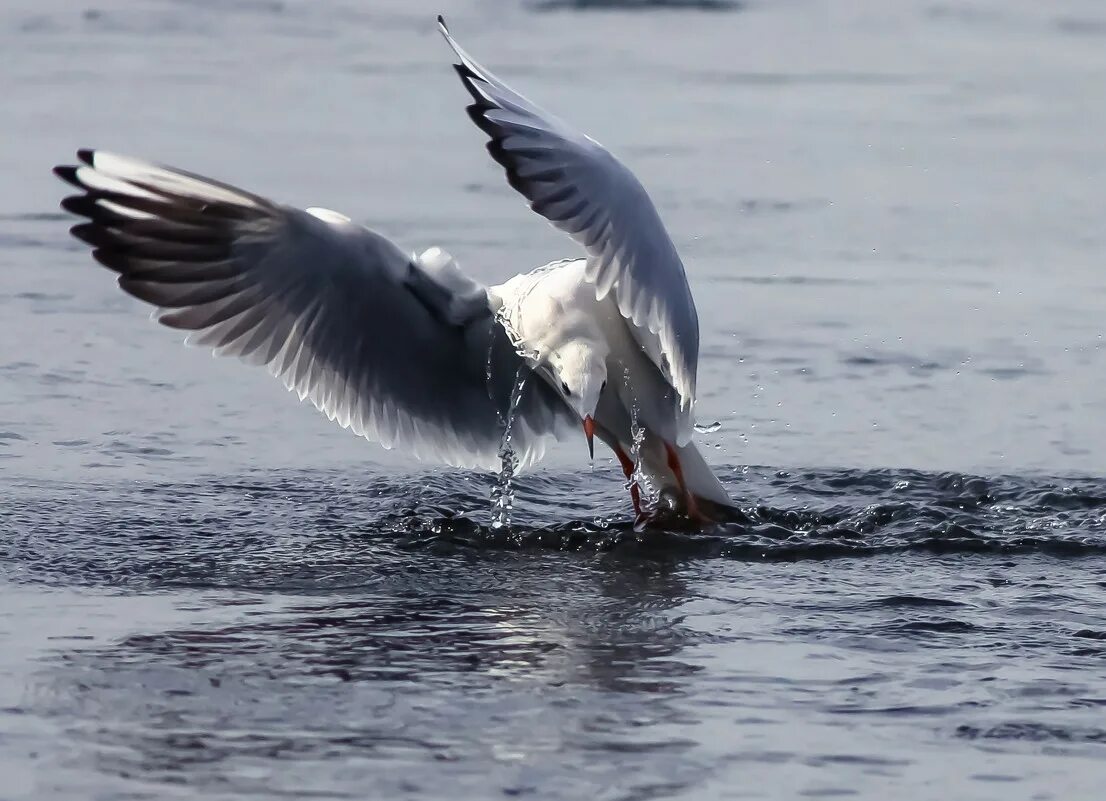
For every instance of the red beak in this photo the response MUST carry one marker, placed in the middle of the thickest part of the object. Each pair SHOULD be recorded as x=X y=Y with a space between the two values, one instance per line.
x=589 y=432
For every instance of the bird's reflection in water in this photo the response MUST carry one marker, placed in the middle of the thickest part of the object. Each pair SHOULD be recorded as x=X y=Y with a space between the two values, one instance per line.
x=488 y=664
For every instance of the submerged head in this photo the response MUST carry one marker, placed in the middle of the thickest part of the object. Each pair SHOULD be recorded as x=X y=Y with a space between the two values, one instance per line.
x=581 y=373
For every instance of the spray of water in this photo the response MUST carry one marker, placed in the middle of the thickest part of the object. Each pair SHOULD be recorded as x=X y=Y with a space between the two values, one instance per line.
x=637 y=437
x=509 y=320
x=503 y=493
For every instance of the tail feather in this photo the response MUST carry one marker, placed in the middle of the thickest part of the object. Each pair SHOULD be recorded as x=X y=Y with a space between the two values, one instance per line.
x=700 y=479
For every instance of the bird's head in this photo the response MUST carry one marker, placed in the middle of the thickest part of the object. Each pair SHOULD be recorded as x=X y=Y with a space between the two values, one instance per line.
x=580 y=371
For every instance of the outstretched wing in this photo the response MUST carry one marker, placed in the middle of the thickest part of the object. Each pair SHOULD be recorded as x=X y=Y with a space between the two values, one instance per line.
x=405 y=352
x=576 y=184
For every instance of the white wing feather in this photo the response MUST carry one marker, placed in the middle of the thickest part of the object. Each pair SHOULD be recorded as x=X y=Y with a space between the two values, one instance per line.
x=576 y=184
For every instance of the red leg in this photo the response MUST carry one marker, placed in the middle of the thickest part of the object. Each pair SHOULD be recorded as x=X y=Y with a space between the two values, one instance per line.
x=692 y=506
x=628 y=468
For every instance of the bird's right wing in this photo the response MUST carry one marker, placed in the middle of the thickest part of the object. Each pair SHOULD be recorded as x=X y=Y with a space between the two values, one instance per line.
x=405 y=352
x=576 y=184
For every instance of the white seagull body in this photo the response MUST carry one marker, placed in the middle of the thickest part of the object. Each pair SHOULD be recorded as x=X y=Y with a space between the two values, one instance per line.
x=410 y=351
x=561 y=327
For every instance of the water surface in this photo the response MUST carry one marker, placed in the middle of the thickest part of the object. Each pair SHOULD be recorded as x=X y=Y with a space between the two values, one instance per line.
x=891 y=219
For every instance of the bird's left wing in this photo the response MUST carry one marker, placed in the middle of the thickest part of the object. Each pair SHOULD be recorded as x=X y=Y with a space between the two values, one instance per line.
x=405 y=352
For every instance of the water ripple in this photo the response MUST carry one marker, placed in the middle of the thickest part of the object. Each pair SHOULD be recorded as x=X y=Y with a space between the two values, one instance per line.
x=312 y=530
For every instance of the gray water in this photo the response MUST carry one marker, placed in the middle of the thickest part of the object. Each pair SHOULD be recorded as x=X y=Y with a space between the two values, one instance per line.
x=891 y=215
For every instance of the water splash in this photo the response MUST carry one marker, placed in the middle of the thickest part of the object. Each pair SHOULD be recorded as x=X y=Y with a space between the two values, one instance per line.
x=708 y=428
x=506 y=318
x=639 y=478
x=637 y=438
x=503 y=494
x=488 y=361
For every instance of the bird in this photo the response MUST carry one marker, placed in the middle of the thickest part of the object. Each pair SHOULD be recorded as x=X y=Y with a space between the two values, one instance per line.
x=408 y=350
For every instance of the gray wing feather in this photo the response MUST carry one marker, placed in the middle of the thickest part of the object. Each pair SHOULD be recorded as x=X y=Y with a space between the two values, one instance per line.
x=583 y=190
x=406 y=352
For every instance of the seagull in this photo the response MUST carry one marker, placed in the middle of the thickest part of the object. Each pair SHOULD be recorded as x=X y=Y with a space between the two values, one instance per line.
x=408 y=350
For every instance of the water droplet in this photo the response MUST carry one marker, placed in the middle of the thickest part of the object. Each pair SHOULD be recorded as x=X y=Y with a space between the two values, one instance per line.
x=708 y=428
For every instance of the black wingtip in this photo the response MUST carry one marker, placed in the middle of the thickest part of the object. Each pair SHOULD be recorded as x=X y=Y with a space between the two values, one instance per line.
x=86 y=155
x=467 y=76
x=81 y=205
x=68 y=173
x=114 y=260
x=89 y=233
